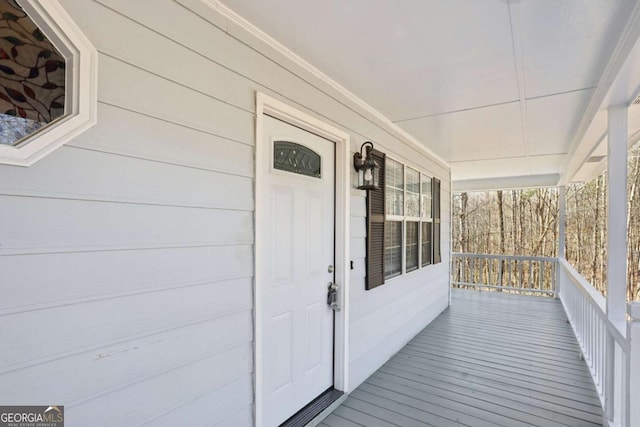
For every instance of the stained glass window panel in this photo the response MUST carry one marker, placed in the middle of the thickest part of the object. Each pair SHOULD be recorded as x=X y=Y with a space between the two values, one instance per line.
x=296 y=158
x=32 y=76
x=394 y=194
x=392 y=248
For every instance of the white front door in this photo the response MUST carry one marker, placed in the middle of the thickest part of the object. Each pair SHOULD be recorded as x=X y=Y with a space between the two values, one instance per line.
x=297 y=255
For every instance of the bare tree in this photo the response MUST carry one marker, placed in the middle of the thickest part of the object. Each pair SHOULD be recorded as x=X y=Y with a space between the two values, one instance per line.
x=526 y=222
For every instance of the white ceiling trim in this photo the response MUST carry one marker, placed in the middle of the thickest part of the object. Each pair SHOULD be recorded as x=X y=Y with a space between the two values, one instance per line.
x=507 y=183
x=231 y=15
x=621 y=52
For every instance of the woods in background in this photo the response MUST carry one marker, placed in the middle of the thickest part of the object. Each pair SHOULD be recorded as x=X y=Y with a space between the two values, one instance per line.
x=524 y=222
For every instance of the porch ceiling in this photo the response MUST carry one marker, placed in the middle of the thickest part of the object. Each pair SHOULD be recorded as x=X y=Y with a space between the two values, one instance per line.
x=506 y=91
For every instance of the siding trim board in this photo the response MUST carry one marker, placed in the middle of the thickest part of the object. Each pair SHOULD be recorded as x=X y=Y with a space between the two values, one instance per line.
x=275 y=108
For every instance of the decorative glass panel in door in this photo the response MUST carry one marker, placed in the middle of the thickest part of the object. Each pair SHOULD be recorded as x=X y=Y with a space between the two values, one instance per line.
x=296 y=158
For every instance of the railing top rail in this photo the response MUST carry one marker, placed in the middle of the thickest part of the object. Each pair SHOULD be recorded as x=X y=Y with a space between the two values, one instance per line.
x=599 y=302
x=506 y=288
x=495 y=256
x=584 y=285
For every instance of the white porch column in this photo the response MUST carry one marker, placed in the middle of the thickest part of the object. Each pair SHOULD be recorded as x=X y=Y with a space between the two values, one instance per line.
x=617 y=215
x=616 y=247
x=562 y=221
x=633 y=338
x=562 y=224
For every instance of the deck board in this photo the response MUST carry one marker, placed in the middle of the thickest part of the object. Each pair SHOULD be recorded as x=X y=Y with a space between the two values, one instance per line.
x=491 y=359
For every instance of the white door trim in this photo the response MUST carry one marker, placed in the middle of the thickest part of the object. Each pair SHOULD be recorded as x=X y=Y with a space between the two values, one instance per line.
x=268 y=105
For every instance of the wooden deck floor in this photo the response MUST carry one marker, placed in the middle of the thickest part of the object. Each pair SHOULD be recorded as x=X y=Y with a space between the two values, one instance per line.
x=491 y=359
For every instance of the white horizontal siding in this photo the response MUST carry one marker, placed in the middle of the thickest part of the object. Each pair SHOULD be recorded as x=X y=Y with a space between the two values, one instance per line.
x=402 y=290
x=230 y=403
x=137 y=315
x=126 y=257
x=163 y=141
x=78 y=277
x=127 y=86
x=58 y=225
x=242 y=417
x=116 y=363
x=74 y=173
x=184 y=383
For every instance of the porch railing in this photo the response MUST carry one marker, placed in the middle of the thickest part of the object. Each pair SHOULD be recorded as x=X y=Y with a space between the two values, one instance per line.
x=522 y=274
x=604 y=345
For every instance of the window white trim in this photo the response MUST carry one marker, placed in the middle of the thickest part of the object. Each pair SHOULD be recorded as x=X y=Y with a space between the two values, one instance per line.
x=81 y=86
x=403 y=219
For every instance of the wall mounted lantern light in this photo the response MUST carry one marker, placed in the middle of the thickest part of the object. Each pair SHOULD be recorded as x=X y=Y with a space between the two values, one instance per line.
x=367 y=168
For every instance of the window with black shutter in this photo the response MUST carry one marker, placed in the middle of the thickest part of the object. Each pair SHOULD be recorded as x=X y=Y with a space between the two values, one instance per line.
x=394 y=195
x=375 y=228
x=426 y=220
x=403 y=222
x=437 y=255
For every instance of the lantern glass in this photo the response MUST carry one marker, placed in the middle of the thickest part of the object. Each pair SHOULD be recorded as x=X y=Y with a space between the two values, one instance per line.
x=368 y=175
x=367 y=168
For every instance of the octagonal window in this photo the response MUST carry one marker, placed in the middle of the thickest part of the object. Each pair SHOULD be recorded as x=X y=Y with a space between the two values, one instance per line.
x=32 y=76
x=48 y=80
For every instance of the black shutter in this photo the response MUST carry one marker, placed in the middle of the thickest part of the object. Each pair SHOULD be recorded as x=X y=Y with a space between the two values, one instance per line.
x=375 y=228
x=435 y=199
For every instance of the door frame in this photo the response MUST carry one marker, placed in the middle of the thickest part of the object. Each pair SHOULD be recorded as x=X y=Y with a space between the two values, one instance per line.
x=275 y=108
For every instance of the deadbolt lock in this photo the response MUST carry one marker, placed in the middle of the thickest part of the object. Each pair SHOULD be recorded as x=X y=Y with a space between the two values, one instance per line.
x=332 y=297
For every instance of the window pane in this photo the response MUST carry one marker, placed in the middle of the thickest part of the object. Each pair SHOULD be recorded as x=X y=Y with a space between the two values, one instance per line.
x=413 y=193
x=32 y=76
x=394 y=191
x=392 y=248
x=425 y=197
x=412 y=246
x=426 y=243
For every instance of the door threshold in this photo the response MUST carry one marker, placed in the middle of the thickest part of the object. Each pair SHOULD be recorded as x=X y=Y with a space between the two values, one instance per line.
x=316 y=410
